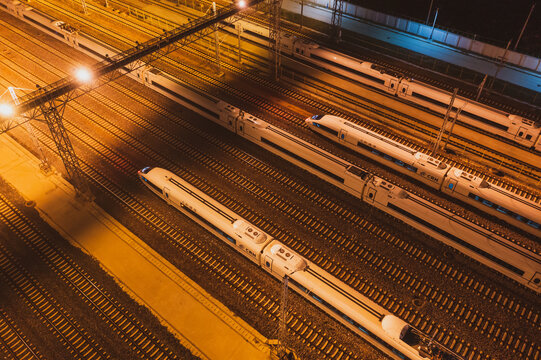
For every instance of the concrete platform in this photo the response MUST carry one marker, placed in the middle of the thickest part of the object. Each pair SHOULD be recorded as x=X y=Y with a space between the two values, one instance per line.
x=201 y=323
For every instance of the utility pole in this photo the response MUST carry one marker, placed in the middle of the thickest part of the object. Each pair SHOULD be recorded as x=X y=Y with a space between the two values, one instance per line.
x=83 y=3
x=450 y=132
x=429 y=11
x=499 y=67
x=44 y=166
x=444 y=125
x=283 y=315
x=274 y=36
x=239 y=30
x=336 y=20
x=434 y=23
x=524 y=26
x=481 y=86
x=302 y=13
x=216 y=40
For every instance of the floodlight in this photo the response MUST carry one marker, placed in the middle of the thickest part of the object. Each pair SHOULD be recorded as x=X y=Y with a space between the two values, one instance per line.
x=83 y=75
x=6 y=110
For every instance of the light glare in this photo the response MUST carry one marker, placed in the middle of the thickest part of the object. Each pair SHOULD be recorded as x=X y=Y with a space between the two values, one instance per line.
x=241 y=4
x=6 y=110
x=83 y=75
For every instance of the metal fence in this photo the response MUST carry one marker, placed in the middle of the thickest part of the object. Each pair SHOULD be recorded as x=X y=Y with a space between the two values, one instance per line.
x=440 y=35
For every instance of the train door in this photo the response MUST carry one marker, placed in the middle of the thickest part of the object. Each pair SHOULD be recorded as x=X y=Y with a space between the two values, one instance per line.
x=393 y=84
x=521 y=133
x=536 y=279
x=240 y=127
x=371 y=194
x=268 y=263
x=403 y=90
x=343 y=134
x=166 y=192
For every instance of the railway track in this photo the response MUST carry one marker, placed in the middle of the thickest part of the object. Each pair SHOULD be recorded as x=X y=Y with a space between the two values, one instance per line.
x=407 y=312
x=131 y=330
x=13 y=344
x=300 y=327
x=461 y=347
x=43 y=305
x=460 y=142
x=222 y=270
x=293 y=118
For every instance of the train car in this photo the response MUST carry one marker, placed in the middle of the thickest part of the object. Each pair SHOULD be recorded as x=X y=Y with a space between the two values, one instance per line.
x=488 y=248
x=387 y=332
x=53 y=27
x=518 y=129
x=494 y=200
x=361 y=71
x=299 y=152
x=451 y=229
x=384 y=150
x=513 y=127
x=516 y=210
x=238 y=233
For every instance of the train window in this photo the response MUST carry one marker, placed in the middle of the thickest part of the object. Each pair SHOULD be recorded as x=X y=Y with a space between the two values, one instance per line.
x=451 y=186
x=534 y=224
x=528 y=137
x=317 y=298
x=485 y=120
x=456 y=239
x=327 y=129
x=342 y=136
x=521 y=133
x=303 y=160
x=346 y=68
x=428 y=99
x=502 y=210
x=411 y=168
x=488 y=203
x=152 y=185
x=267 y=263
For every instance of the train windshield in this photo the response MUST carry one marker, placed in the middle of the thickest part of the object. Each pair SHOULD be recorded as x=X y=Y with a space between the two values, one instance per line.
x=317 y=117
x=146 y=170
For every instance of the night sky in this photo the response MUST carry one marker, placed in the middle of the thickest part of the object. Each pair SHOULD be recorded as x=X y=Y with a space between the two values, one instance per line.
x=499 y=20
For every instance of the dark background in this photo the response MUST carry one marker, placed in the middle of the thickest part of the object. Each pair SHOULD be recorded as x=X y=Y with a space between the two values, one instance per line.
x=494 y=21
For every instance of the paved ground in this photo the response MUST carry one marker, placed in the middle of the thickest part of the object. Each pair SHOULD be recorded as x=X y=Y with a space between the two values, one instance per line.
x=203 y=325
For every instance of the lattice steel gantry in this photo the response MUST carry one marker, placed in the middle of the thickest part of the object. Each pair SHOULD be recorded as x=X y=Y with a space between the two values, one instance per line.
x=49 y=102
x=336 y=20
x=275 y=7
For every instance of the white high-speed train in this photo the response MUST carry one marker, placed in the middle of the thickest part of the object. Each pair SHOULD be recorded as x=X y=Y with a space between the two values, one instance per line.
x=490 y=198
x=387 y=332
x=513 y=127
x=483 y=245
